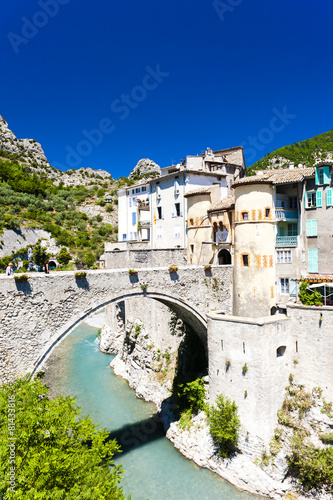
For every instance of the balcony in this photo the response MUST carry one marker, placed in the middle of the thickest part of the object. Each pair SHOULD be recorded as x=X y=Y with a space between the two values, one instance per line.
x=143 y=204
x=286 y=241
x=144 y=224
x=286 y=214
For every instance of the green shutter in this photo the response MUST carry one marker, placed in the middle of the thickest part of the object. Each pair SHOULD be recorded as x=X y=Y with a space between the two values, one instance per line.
x=311 y=227
x=313 y=260
x=292 y=287
x=326 y=174
x=319 y=198
x=317 y=177
x=329 y=197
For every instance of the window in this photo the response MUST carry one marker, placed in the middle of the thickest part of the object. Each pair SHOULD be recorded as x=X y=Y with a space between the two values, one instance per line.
x=245 y=258
x=192 y=248
x=280 y=351
x=311 y=227
x=293 y=202
x=177 y=231
x=160 y=213
x=313 y=260
x=245 y=216
x=159 y=232
x=191 y=222
x=323 y=175
x=137 y=190
x=177 y=210
x=267 y=212
x=292 y=229
x=130 y=202
x=135 y=202
x=284 y=286
x=143 y=189
x=124 y=237
x=132 y=191
x=311 y=199
x=133 y=217
x=319 y=198
x=329 y=197
x=283 y=256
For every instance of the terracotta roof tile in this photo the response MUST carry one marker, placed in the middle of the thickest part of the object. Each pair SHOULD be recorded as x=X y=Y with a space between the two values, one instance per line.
x=280 y=176
x=198 y=191
x=223 y=205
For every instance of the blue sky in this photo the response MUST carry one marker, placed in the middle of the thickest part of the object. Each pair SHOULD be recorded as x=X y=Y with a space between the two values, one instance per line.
x=101 y=83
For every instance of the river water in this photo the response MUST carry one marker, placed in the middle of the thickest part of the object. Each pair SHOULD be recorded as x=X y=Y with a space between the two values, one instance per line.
x=154 y=469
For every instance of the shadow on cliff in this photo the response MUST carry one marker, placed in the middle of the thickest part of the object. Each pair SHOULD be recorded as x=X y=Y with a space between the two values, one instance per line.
x=138 y=434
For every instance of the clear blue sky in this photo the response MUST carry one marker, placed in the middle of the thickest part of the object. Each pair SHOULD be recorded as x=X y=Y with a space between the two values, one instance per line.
x=164 y=79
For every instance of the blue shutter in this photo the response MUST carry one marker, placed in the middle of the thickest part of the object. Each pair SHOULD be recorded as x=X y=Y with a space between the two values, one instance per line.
x=292 y=287
x=311 y=227
x=133 y=217
x=317 y=176
x=313 y=260
x=319 y=198
x=130 y=202
x=326 y=174
x=329 y=197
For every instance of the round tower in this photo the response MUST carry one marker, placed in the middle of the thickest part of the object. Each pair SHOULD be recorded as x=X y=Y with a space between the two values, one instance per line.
x=254 y=248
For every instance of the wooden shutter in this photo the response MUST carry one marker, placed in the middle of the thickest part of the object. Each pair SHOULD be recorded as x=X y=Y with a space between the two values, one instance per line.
x=329 y=197
x=311 y=227
x=317 y=176
x=313 y=260
x=319 y=198
x=326 y=174
x=292 y=287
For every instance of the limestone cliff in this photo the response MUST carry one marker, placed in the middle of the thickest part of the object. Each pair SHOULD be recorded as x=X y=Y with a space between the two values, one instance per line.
x=145 y=166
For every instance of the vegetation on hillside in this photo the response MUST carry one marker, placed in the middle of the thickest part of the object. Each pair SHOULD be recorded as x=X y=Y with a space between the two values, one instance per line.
x=47 y=451
x=308 y=152
x=28 y=199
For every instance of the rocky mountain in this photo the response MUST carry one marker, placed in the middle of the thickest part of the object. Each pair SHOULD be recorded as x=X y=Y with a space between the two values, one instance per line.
x=29 y=152
x=145 y=167
x=305 y=152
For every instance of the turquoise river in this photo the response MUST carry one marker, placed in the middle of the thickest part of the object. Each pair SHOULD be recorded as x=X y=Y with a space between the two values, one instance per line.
x=154 y=469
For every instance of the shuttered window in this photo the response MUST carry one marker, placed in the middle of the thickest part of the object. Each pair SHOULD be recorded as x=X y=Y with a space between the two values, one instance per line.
x=326 y=170
x=133 y=217
x=319 y=198
x=311 y=227
x=329 y=197
x=313 y=260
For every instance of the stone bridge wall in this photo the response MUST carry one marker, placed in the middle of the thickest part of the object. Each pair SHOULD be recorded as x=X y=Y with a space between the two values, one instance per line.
x=142 y=257
x=36 y=314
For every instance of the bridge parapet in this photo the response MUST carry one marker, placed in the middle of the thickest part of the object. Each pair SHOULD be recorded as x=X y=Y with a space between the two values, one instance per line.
x=37 y=314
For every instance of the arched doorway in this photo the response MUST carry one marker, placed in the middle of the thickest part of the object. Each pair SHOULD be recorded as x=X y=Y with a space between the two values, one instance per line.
x=224 y=257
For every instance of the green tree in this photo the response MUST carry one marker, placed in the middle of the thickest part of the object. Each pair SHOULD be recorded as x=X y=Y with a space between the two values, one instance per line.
x=224 y=424
x=89 y=259
x=57 y=454
x=309 y=297
x=39 y=254
x=64 y=256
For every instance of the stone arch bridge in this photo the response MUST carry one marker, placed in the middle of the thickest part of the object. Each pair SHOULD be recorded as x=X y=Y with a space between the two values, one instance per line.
x=36 y=315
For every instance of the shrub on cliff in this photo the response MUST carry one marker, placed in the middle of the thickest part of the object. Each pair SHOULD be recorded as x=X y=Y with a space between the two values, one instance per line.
x=224 y=424
x=52 y=453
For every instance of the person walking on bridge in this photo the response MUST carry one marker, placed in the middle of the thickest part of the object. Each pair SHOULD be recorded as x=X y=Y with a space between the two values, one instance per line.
x=10 y=270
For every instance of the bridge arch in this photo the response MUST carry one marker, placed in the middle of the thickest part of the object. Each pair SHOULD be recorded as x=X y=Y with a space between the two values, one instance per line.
x=186 y=311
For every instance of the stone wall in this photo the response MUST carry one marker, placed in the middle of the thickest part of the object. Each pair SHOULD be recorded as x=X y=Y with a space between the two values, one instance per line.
x=137 y=258
x=34 y=316
x=256 y=377
x=272 y=348
x=311 y=346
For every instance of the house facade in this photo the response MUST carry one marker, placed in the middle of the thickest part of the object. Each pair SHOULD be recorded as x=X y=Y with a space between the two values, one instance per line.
x=155 y=212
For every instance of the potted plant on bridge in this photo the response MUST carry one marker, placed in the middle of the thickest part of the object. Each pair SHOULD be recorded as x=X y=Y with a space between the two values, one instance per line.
x=80 y=275
x=132 y=272
x=21 y=278
x=173 y=268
